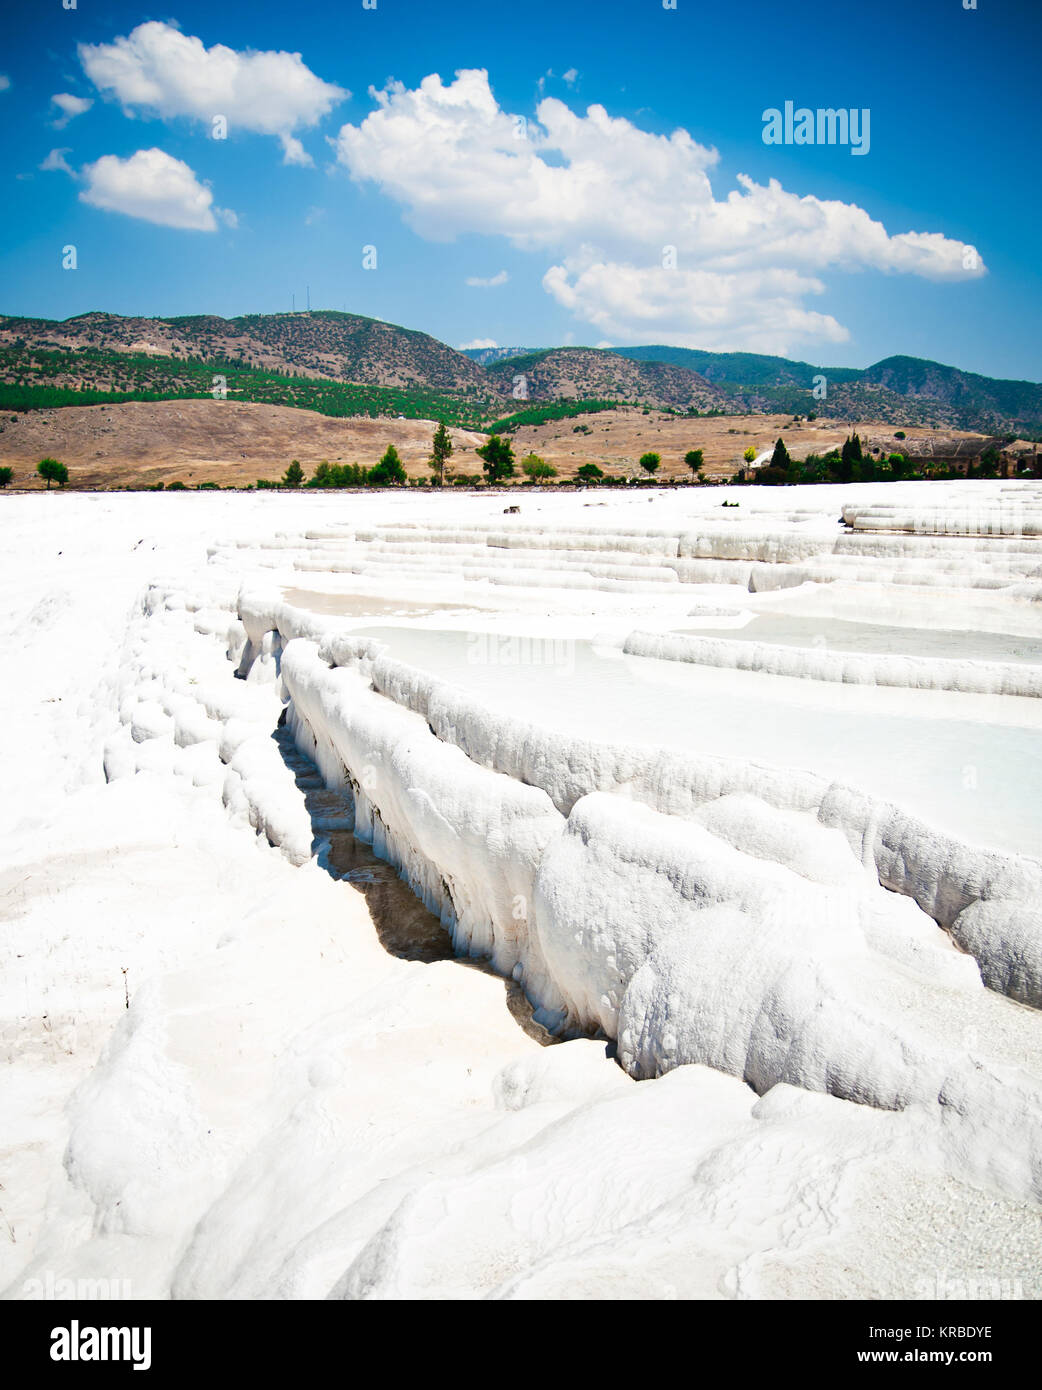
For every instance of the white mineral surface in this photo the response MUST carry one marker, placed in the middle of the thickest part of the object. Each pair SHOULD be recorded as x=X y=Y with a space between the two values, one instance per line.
x=400 y=899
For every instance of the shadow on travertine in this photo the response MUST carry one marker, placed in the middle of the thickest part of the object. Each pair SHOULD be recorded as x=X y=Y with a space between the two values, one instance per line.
x=403 y=925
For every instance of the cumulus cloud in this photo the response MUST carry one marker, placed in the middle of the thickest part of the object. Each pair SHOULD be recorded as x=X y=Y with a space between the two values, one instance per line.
x=479 y=343
x=570 y=76
x=458 y=163
x=157 y=70
x=489 y=283
x=641 y=242
x=70 y=107
x=692 y=308
x=155 y=187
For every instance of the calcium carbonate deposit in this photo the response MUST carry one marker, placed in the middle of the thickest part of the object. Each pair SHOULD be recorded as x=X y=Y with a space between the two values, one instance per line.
x=402 y=899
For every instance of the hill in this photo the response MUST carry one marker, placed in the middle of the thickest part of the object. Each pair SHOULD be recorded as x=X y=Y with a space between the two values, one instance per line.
x=43 y=378
x=206 y=441
x=594 y=374
x=234 y=443
x=1005 y=402
x=898 y=390
x=484 y=357
x=323 y=343
x=346 y=365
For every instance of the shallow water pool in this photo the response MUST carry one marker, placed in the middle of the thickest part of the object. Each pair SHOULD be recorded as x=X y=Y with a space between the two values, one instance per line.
x=977 y=775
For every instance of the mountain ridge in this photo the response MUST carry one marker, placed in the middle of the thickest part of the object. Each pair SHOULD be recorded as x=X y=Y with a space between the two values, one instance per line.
x=405 y=370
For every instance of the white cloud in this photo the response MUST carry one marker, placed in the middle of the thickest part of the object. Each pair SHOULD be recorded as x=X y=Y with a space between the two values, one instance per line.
x=155 y=187
x=157 y=70
x=479 y=343
x=56 y=161
x=693 y=308
x=70 y=107
x=614 y=203
x=500 y=278
x=570 y=76
x=5 y=82
x=458 y=163
x=293 y=152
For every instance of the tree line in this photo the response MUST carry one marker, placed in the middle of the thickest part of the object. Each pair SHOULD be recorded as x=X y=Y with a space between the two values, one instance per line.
x=49 y=469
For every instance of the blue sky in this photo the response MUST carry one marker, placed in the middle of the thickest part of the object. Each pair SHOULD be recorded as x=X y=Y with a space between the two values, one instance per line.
x=596 y=221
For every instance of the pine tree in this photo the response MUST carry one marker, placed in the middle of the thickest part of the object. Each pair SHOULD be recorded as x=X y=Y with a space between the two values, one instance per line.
x=389 y=472
x=850 y=456
x=441 y=450
x=53 y=471
x=780 y=457
x=497 y=459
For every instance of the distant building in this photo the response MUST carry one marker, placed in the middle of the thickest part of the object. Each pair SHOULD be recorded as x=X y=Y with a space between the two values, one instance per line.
x=935 y=454
x=1018 y=455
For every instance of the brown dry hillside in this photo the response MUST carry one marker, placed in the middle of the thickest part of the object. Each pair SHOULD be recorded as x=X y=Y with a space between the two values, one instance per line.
x=325 y=343
x=203 y=441
x=591 y=374
x=616 y=439
x=232 y=443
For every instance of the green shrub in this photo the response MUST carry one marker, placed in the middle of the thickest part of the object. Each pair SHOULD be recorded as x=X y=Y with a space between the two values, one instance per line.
x=339 y=475
x=534 y=467
x=541 y=414
x=772 y=476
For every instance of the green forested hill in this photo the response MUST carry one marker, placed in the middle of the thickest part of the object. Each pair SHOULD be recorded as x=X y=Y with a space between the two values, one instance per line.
x=346 y=364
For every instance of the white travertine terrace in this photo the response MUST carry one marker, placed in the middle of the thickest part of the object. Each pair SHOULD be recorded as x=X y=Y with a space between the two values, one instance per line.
x=831 y=1005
